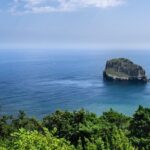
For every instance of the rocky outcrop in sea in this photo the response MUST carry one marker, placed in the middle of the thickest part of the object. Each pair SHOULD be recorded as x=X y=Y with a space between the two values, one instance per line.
x=122 y=69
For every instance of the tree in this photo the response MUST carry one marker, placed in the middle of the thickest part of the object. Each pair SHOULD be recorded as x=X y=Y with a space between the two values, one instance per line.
x=33 y=140
x=117 y=119
x=115 y=139
x=72 y=125
x=22 y=121
x=5 y=126
x=140 y=128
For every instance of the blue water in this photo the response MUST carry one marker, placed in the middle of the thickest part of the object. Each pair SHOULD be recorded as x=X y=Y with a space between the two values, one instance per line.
x=40 y=82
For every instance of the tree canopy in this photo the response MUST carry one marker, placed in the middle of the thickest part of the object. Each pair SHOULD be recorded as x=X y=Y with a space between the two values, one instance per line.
x=77 y=130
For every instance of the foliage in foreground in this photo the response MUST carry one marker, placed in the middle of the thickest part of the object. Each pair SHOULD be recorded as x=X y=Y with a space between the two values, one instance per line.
x=79 y=130
x=26 y=140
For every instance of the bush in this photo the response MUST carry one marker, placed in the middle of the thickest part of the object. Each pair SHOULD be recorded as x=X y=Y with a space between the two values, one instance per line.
x=33 y=140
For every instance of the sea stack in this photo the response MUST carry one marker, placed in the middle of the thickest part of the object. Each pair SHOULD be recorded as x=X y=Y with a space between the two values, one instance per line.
x=122 y=69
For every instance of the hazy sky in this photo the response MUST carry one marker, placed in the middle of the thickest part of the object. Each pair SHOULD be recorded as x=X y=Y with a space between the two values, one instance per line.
x=75 y=23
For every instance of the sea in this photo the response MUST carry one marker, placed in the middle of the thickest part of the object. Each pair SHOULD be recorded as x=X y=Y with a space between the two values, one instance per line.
x=40 y=82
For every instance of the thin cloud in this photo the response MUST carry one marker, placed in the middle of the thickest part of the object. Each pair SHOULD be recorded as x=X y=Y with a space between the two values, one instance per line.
x=45 y=6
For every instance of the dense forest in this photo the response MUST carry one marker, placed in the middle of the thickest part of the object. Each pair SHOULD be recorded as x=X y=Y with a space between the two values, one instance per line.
x=77 y=130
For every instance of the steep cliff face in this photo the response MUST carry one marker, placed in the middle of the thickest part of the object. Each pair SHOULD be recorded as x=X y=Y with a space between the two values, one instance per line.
x=124 y=69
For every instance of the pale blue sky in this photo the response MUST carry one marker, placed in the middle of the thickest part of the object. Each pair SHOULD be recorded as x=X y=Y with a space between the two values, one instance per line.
x=75 y=24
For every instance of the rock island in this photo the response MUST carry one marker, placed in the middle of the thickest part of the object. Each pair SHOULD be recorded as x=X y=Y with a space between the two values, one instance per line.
x=123 y=69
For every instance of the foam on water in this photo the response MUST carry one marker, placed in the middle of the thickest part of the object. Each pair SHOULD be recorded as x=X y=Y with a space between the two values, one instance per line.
x=75 y=83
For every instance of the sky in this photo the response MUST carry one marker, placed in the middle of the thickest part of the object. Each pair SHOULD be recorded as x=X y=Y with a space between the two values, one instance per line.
x=75 y=24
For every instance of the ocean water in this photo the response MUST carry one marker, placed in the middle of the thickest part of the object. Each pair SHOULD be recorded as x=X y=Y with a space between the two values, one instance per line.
x=40 y=82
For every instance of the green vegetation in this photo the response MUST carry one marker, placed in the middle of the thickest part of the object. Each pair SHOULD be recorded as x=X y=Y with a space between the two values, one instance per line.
x=113 y=72
x=120 y=60
x=78 y=130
